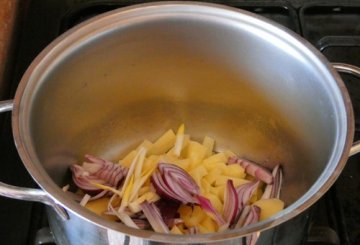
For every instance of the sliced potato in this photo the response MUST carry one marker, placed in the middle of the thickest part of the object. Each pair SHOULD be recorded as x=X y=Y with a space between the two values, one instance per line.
x=218 y=157
x=198 y=173
x=208 y=143
x=195 y=152
x=209 y=225
x=234 y=170
x=100 y=206
x=184 y=210
x=210 y=171
x=269 y=207
x=221 y=180
x=183 y=163
x=205 y=186
x=163 y=144
x=150 y=163
x=175 y=230
x=145 y=144
x=215 y=201
x=218 y=191
x=127 y=160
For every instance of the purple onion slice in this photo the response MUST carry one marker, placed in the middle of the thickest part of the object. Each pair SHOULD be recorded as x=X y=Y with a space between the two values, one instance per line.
x=253 y=169
x=99 y=171
x=174 y=183
x=153 y=215
x=206 y=205
x=231 y=201
x=245 y=192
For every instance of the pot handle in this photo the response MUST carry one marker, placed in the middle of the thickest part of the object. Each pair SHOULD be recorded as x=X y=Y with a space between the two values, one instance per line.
x=28 y=194
x=355 y=71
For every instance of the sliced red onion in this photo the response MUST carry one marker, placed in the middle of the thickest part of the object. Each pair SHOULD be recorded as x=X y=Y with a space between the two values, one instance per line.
x=245 y=192
x=110 y=172
x=172 y=222
x=141 y=223
x=180 y=176
x=123 y=216
x=99 y=171
x=231 y=201
x=273 y=190
x=162 y=189
x=206 y=205
x=169 y=212
x=185 y=194
x=252 y=218
x=193 y=230
x=232 y=160
x=267 y=192
x=154 y=217
x=126 y=219
x=140 y=155
x=174 y=183
x=253 y=169
x=252 y=238
x=278 y=178
x=242 y=217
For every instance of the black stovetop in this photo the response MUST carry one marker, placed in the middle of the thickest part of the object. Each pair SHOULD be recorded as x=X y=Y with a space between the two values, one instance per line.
x=332 y=26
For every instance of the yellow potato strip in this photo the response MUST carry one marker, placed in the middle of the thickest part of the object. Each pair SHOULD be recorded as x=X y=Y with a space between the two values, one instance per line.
x=108 y=188
x=179 y=140
x=139 y=165
x=208 y=143
x=125 y=199
x=142 y=151
x=138 y=184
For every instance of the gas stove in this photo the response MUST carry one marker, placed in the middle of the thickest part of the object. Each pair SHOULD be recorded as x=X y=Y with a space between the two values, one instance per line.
x=331 y=26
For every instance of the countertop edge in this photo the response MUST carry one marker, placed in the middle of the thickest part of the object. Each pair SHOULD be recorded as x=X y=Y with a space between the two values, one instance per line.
x=8 y=16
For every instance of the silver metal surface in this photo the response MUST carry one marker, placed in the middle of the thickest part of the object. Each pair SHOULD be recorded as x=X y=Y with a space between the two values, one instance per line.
x=257 y=88
x=355 y=71
x=6 y=105
x=27 y=194
x=44 y=236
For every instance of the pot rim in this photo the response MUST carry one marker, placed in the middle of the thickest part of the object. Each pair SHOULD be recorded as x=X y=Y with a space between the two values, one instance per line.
x=97 y=26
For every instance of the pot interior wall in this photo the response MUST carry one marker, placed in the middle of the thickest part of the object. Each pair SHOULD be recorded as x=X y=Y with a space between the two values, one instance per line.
x=252 y=92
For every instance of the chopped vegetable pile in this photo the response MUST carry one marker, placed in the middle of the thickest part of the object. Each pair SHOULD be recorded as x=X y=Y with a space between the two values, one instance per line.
x=180 y=186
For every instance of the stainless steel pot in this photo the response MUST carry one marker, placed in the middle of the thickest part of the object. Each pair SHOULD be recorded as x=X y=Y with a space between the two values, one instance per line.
x=132 y=73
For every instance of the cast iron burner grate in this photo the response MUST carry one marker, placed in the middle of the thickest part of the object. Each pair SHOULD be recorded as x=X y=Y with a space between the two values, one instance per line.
x=278 y=11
